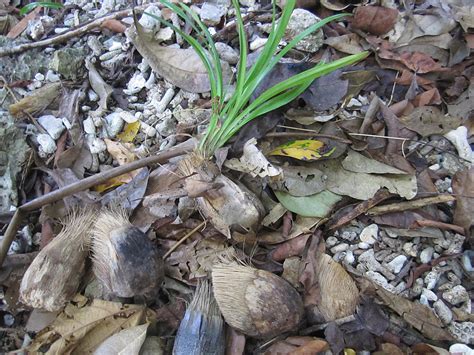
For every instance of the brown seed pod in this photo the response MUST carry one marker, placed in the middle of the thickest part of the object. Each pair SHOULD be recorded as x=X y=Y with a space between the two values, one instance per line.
x=228 y=205
x=202 y=329
x=55 y=274
x=124 y=259
x=256 y=302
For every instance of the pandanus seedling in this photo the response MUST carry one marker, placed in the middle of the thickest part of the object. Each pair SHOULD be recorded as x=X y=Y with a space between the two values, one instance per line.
x=232 y=206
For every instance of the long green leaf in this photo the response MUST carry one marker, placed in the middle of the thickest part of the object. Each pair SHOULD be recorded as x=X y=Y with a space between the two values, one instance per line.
x=33 y=5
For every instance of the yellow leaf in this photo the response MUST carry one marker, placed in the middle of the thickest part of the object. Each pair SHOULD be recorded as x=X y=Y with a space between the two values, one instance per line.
x=306 y=150
x=129 y=132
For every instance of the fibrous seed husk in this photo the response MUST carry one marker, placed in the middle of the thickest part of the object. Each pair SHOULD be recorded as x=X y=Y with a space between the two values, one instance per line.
x=55 y=274
x=256 y=302
x=230 y=206
x=124 y=259
x=202 y=329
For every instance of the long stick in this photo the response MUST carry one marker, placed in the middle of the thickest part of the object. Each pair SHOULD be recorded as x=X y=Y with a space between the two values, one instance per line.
x=84 y=184
x=74 y=32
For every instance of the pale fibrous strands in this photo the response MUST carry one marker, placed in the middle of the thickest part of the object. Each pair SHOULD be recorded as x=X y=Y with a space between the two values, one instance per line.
x=229 y=117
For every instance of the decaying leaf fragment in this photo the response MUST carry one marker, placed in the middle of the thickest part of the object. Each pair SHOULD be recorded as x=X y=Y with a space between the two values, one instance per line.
x=39 y=100
x=128 y=341
x=253 y=162
x=85 y=324
x=417 y=315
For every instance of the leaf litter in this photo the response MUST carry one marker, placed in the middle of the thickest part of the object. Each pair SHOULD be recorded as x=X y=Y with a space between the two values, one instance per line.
x=392 y=133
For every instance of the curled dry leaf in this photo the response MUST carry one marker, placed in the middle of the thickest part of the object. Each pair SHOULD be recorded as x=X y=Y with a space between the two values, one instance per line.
x=463 y=187
x=300 y=181
x=298 y=345
x=417 y=315
x=253 y=162
x=330 y=293
x=38 y=101
x=348 y=43
x=102 y=89
x=85 y=324
x=377 y=20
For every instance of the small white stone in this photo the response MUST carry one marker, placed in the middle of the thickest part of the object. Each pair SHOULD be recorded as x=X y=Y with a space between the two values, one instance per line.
x=89 y=126
x=431 y=279
x=147 y=129
x=397 y=264
x=8 y=319
x=459 y=139
x=149 y=23
x=456 y=295
x=443 y=312
x=363 y=245
x=227 y=53
x=354 y=103
x=426 y=255
x=258 y=43
x=39 y=77
x=410 y=249
x=339 y=248
x=462 y=331
x=424 y=300
x=211 y=14
x=165 y=34
x=349 y=235
x=128 y=116
x=369 y=234
x=92 y=96
x=136 y=83
x=113 y=124
x=53 y=125
x=331 y=241
x=435 y=167
x=461 y=349
x=379 y=280
x=66 y=123
x=430 y=295
x=96 y=145
x=52 y=77
x=46 y=143
x=349 y=258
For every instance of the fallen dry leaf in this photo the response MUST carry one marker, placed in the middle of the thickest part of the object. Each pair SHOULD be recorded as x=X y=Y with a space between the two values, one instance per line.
x=84 y=325
x=417 y=315
x=330 y=293
x=181 y=67
x=375 y=19
x=463 y=187
x=429 y=120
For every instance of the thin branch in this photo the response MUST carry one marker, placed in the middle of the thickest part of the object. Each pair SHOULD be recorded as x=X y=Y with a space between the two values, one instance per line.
x=183 y=239
x=410 y=205
x=85 y=184
x=73 y=32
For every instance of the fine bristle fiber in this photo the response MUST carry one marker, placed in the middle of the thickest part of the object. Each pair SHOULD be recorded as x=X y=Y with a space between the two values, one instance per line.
x=77 y=226
x=204 y=301
x=202 y=329
x=103 y=251
x=230 y=286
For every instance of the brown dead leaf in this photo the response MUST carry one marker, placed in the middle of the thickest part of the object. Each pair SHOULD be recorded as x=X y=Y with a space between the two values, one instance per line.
x=290 y=248
x=84 y=325
x=429 y=120
x=348 y=43
x=375 y=19
x=235 y=344
x=463 y=187
x=21 y=26
x=38 y=101
x=181 y=67
x=430 y=97
x=419 y=62
x=121 y=152
x=417 y=315
x=298 y=345
x=330 y=293
x=114 y=26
